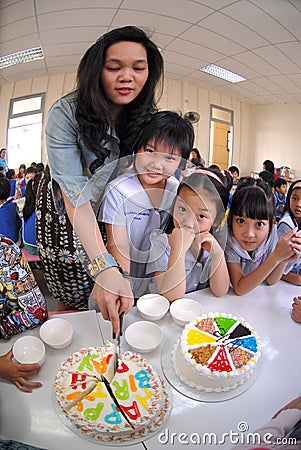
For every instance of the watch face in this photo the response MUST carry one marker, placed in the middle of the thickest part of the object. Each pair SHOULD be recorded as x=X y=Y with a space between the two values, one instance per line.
x=101 y=263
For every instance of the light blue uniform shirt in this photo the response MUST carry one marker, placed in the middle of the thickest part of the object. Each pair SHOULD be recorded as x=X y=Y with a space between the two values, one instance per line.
x=285 y=224
x=69 y=159
x=197 y=271
x=235 y=254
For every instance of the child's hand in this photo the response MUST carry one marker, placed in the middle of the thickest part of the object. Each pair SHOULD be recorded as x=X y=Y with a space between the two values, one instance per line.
x=296 y=244
x=296 y=309
x=285 y=248
x=17 y=373
x=207 y=242
x=294 y=404
x=183 y=237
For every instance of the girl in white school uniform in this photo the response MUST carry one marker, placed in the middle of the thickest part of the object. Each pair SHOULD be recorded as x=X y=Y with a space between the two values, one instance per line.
x=291 y=218
x=253 y=252
x=194 y=255
x=139 y=202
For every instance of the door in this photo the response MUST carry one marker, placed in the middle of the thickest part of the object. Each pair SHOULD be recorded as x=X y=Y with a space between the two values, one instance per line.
x=220 y=155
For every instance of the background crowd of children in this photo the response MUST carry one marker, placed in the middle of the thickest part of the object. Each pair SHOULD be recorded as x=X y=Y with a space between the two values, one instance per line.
x=17 y=203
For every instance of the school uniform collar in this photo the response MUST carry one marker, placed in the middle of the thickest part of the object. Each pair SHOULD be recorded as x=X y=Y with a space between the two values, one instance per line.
x=129 y=184
x=288 y=220
x=265 y=247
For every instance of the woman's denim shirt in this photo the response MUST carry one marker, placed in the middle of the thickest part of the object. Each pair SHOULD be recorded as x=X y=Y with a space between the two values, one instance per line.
x=69 y=159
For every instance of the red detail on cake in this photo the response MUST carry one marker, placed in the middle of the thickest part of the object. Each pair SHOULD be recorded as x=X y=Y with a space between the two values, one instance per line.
x=122 y=368
x=221 y=362
x=131 y=411
x=77 y=379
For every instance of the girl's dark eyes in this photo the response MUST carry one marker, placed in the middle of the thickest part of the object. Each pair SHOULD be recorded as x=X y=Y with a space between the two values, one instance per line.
x=260 y=224
x=240 y=220
x=182 y=208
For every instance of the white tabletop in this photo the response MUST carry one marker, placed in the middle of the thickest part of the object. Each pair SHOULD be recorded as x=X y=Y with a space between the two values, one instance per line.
x=31 y=418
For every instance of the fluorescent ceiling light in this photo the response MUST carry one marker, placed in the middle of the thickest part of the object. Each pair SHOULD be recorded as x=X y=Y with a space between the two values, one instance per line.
x=20 y=57
x=222 y=73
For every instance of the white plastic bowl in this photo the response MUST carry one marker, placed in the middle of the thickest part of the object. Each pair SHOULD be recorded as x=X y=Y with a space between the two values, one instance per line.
x=152 y=306
x=29 y=350
x=56 y=333
x=184 y=310
x=143 y=336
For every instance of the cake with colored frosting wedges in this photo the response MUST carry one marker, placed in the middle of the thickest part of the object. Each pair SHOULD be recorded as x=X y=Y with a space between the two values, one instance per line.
x=216 y=352
x=101 y=404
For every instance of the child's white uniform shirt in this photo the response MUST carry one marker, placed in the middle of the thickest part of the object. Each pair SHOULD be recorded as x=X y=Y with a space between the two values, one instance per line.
x=127 y=204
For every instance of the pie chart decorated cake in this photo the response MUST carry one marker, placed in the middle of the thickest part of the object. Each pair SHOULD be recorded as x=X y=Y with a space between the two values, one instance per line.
x=216 y=352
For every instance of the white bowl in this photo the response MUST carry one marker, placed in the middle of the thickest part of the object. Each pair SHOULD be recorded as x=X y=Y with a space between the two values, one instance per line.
x=56 y=333
x=184 y=310
x=29 y=350
x=152 y=306
x=143 y=336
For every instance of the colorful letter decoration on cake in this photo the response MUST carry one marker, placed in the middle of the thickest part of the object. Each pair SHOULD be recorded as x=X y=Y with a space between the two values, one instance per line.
x=85 y=396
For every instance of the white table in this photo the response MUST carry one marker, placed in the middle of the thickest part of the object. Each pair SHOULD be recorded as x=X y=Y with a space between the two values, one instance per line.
x=31 y=418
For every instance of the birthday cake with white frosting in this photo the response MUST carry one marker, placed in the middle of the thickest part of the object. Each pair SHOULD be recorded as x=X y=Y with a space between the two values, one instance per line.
x=216 y=352
x=108 y=405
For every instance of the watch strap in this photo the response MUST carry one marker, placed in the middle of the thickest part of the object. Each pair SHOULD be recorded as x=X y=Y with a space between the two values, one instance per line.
x=101 y=263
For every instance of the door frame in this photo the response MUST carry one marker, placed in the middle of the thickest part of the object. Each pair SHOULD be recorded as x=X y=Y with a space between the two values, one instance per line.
x=225 y=116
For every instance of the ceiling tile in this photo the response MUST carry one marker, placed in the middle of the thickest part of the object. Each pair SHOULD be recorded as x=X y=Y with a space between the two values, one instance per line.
x=258 y=20
x=287 y=13
x=273 y=55
x=212 y=40
x=185 y=10
x=78 y=18
x=231 y=29
x=152 y=22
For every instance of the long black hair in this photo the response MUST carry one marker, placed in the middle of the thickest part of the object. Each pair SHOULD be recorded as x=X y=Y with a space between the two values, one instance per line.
x=93 y=112
x=287 y=206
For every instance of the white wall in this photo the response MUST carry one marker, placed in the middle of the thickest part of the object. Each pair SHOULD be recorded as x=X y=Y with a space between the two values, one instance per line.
x=260 y=132
x=178 y=96
x=276 y=135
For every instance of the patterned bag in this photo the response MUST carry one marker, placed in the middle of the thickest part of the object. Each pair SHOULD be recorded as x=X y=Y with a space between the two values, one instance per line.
x=22 y=305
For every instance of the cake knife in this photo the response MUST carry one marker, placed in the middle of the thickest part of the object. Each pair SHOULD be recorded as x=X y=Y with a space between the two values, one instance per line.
x=117 y=348
x=110 y=391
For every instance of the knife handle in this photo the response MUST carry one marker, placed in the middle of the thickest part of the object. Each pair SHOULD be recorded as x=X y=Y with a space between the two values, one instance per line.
x=121 y=322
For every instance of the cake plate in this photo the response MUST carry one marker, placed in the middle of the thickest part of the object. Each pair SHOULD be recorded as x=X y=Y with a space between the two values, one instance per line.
x=170 y=346
x=133 y=438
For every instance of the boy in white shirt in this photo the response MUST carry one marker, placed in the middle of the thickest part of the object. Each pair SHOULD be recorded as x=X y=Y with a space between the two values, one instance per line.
x=139 y=202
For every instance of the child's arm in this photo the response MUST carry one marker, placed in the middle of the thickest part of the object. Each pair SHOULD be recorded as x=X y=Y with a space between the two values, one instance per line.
x=172 y=283
x=293 y=278
x=270 y=270
x=219 y=275
x=118 y=245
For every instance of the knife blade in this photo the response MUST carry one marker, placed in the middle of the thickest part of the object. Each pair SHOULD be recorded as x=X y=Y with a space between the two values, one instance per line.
x=110 y=391
x=117 y=349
